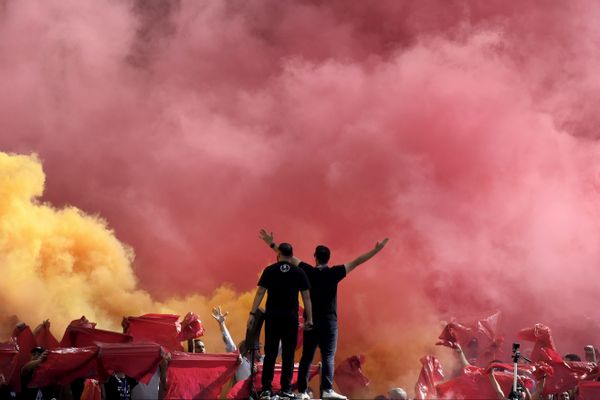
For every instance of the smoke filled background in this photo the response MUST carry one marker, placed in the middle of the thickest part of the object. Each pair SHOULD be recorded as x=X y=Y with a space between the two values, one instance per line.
x=170 y=132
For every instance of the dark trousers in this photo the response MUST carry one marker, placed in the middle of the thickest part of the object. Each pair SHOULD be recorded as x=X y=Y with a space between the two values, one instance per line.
x=324 y=336
x=286 y=331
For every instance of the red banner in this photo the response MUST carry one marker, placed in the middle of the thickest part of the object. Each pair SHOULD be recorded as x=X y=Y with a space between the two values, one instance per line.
x=476 y=384
x=62 y=366
x=349 y=376
x=136 y=360
x=163 y=329
x=24 y=338
x=589 y=391
x=8 y=356
x=199 y=376
x=479 y=340
x=431 y=374
x=44 y=338
x=191 y=328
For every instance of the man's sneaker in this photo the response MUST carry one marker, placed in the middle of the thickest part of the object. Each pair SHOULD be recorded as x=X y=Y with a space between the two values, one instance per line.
x=287 y=395
x=266 y=395
x=330 y=394
x=303 y=396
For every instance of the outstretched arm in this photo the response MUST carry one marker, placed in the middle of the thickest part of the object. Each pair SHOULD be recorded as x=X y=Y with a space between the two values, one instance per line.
x=461 y=355
x=268 y=239
x=220 y=318
x=366 y=256
x=260 y=293
x=496 y=387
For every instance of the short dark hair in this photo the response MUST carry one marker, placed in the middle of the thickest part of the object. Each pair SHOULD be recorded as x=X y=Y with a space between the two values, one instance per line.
x=572 y=357
x=286 y=250
x=37 y=350
x=322 y=254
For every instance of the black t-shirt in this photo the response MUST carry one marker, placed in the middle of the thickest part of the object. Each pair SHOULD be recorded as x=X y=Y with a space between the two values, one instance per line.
x=119 y=388
x=283 y=281
x=323 y=293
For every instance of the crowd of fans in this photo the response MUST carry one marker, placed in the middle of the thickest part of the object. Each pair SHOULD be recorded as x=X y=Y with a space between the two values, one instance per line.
x=482 y=372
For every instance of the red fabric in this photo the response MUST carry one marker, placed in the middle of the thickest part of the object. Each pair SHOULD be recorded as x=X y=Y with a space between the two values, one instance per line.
x=44 y=338
x=349 y=376
x=566 y=376
x=542 y=337
x=431 y=374
x=62 y=366
x=479 y=340
x=163 y=329
x=199 y=376
x=589 y=391
x=191 y=328
x=300 y=339
x=24 y=338
x=241 y=390
x=136 y=360
x=91 y=390
x=8 y=355
x=475 y=384
x=86 y=337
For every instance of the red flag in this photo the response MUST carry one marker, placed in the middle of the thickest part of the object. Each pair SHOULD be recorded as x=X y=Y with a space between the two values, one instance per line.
x=163 y=329
x=191 y=328
x=589 y=390
x=542 y=337
x=86 y=337
x=24 y=337
x=241 y=390
x=566 y=376
x=136 y=360
x=349 y=376
x=431 y=374
x=475 y=384
x=9 y=352
x=62 y=366
x=44 y=338
x=91 y=390
x=199 y=376
x=479 y=340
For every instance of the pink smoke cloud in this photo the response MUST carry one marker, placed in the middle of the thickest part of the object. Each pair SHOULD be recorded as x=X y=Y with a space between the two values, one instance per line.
x=465 y=131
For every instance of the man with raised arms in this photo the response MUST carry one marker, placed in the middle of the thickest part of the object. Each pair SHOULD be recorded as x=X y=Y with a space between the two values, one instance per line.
x=323 y=293
x=281 y=282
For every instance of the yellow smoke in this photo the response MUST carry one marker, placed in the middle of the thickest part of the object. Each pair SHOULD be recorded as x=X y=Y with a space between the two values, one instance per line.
x=63 y=263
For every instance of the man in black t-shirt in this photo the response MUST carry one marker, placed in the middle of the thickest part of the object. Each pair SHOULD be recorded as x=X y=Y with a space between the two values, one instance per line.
x=323 y=293
x=282 y=282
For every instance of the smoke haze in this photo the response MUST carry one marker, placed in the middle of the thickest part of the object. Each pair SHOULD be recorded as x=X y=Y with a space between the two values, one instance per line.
x=464 y=131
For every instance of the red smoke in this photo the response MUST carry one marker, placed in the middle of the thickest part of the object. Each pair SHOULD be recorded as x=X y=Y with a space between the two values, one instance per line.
x=465 y=131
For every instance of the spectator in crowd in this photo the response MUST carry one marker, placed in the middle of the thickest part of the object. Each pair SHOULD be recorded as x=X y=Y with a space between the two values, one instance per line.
x=245 y=364
x=281 y=282
x=198 y=346
x=38 y=355
x=571 y=357
x=118 y=387
x=5 y=390
x=323 y=280
x=397 y=394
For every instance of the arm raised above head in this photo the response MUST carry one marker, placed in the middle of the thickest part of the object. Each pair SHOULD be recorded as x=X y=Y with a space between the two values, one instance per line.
x=366 y=256
x=268 y=239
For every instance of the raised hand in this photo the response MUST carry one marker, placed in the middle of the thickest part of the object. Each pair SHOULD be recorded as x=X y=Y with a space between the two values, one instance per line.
x=218 y=315
x=381 y=245
x=266 y=236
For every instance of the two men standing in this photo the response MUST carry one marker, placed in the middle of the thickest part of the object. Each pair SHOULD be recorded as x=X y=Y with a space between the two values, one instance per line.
x=323 y=297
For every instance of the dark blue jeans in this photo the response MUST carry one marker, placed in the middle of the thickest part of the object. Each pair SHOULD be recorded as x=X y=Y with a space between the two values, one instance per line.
x=324 y=336
x=284 y=330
